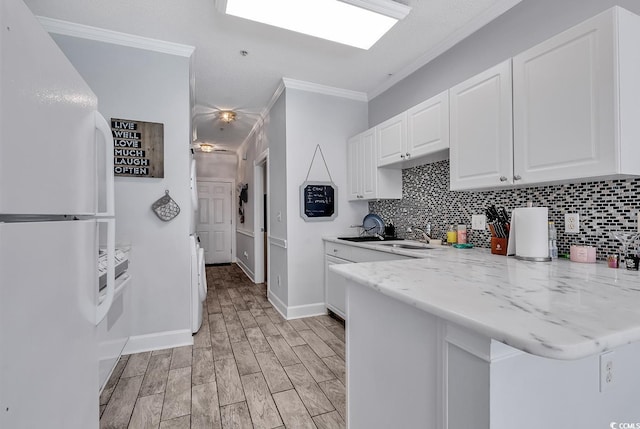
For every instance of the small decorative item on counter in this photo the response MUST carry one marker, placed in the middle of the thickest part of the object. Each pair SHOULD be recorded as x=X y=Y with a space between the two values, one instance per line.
x=612 y=261
x=582 y=254
x=462 y=234
x=452 y=235
x=632 y=262
x=463 y=246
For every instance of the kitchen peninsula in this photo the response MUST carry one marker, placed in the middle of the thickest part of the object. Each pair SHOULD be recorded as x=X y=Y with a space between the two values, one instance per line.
x=467 y=339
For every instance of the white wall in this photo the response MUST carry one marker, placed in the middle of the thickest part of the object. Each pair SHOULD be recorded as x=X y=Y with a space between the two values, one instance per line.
x=329 y=121
x=216 y=165
x=148 y=86
x=528 y=23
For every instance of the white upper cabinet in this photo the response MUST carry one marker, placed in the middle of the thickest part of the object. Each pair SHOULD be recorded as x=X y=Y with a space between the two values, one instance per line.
x=571 y=94
x=428 y=126
x=408 y=139
x=481 y=150
x=365 y=180
x=392 y=139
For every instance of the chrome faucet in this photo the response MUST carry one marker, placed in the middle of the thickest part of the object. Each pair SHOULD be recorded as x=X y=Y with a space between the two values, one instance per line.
x=426 y=232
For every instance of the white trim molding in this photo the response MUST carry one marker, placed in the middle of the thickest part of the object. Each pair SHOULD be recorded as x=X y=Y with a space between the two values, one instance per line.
x=246 y=233
x=82 y=31
x=158 y=341
x=324 y=89
x=280 y=242
x=455 y=38
x=308 y=310
x=385 y=7
x=246 y=269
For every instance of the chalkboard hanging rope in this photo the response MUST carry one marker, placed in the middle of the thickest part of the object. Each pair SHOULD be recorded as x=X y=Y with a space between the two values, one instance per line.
x=323 y=160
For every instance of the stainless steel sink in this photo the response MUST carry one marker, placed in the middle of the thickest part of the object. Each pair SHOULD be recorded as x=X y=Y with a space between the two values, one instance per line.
x=407 y=246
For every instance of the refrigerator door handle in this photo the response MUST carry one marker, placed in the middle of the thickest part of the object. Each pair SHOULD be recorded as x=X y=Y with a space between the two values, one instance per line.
x=103 y=307
x=105 y=130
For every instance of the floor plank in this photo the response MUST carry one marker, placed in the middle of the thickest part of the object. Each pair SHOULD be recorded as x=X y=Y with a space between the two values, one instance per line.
x=205 y=408
x=228 y=380
x=181 y=357
x=317 y=345
x=236 y=416
x=221 y=346
x=261 y=405
x=183 y=422
x=283 y=351
x=257 y=340
x=330 y=420
x=292 y=410
x=336 y=393
x=310 y=393
x=245 y=359
x=337 y=367
x=319 y=371
x=202 y=370
x=246 y=319
x=216 y=323
x=120 y=406
x=155 y=379
x=290 y=334
x=275 y=376
x=177 y=398
x=146 y=413
x=137 y=365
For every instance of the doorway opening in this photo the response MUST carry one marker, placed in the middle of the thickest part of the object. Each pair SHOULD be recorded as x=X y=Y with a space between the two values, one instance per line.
x=261 y=217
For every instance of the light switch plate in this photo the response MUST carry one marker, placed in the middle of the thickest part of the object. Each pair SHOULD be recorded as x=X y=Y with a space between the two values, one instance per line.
x=478 y=222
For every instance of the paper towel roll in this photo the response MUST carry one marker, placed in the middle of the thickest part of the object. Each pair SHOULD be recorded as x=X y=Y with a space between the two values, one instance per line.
x=532 y=236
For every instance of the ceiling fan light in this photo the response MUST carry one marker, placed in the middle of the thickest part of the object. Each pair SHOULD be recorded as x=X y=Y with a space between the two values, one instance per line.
x=227 y=116
x=206 y=147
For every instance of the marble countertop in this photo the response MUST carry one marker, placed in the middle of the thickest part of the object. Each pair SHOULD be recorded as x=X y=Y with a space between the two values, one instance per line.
x=559 y=309
x=380 y=246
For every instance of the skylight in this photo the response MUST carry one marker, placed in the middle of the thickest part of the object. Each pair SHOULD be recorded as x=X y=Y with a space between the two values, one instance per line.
x=332 y=20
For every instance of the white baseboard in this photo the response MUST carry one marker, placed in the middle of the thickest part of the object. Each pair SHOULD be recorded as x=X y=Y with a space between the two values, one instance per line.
x=246 y=270
x=158 y=341
x=298 y=311
x=307 y=310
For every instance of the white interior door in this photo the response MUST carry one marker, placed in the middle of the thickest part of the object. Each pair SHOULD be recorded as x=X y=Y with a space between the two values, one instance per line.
x=214 y=223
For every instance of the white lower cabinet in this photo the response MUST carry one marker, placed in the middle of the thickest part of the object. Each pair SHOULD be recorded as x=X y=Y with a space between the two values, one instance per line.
x=335 y=285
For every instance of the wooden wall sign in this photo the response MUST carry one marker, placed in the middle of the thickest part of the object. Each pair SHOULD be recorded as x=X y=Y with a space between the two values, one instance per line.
x=138 y=148
x=318 y=201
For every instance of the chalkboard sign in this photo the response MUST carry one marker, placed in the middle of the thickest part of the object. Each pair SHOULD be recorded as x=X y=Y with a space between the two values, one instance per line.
x=318 y=201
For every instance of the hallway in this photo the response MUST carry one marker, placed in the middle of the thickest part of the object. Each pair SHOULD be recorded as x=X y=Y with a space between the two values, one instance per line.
x=248 y=368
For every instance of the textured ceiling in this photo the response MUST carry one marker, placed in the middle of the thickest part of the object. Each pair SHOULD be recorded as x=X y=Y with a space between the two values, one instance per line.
x=227 y=80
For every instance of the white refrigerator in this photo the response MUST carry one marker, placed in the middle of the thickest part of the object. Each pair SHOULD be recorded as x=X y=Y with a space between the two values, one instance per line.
x=56 y=198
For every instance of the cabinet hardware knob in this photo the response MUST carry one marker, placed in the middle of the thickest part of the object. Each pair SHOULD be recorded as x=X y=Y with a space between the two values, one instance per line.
x=408 y=154
x=402 y=156
x=517 y=177
x=503 y=178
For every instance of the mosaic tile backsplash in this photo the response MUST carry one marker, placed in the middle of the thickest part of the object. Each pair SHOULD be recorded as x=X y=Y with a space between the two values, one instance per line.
x=603 y=207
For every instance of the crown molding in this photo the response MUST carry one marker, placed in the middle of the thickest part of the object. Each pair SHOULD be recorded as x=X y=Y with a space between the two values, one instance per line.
x=464 y=32
x=82 y=31
x=323 y=89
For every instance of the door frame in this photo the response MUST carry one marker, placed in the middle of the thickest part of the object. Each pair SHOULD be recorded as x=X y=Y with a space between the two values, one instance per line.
x=231 y=208
x=260 y=165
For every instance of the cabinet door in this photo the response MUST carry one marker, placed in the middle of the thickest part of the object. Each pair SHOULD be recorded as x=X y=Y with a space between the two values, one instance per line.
x=354 y=166
x=369 y=165
x=481 y=149
x=335 y=287
x=392 y=137
x=564 y=102
x=428 y=126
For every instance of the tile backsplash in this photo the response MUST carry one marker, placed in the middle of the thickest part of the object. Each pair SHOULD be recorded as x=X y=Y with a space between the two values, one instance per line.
x=603 y=207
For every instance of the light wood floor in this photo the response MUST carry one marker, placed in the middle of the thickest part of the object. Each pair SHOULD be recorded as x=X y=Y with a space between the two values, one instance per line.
x=248 y=368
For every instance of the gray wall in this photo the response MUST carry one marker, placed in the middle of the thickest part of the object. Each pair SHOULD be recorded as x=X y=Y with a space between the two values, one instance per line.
x=525 y=25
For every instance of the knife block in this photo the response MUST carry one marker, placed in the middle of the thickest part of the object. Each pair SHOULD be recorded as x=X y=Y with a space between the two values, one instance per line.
x=498 y=246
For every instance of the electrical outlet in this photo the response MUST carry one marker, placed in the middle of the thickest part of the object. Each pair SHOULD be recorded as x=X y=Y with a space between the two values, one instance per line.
x=478 y=222
x=607 y=370
x=571 y=223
